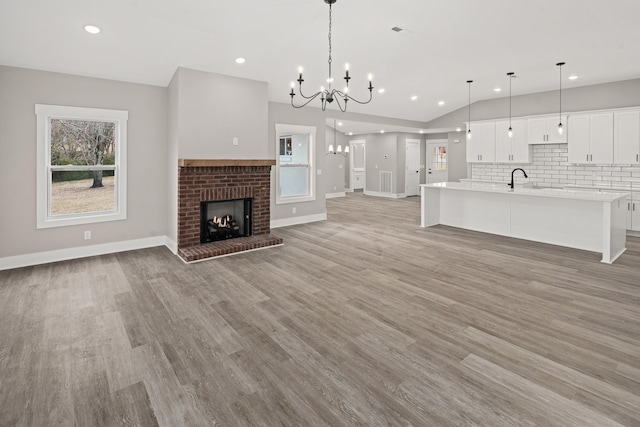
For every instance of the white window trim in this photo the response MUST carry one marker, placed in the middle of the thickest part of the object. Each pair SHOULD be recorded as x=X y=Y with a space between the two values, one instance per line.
x=299 y=130
x=44 y=114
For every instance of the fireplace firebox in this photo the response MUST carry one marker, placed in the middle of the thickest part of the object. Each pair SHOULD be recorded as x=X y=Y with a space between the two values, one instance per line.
x=225 y=219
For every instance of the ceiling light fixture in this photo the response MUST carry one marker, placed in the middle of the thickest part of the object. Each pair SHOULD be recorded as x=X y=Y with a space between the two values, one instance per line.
x=414 y=97
x=510 y=131
x=497 y=89
x=441 y=103
x=573 y=77
x=240 y=60
x=381 y=90
x=329 y=95
x=92 y=29
x=560 y=130
x=469 y=125
x=338 y=149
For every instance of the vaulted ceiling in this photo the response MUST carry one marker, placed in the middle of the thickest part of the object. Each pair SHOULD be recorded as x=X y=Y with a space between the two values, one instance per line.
x=443 y=44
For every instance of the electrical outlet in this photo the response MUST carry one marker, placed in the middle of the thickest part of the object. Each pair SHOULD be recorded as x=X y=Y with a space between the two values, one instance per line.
x=235 y=141
x=87 y=235
x=293 y=210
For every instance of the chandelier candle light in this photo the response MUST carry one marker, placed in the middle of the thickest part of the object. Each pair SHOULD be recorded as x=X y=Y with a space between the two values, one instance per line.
x=331 y=94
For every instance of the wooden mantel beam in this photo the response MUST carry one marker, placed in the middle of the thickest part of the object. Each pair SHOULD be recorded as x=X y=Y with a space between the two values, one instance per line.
x=192 y=163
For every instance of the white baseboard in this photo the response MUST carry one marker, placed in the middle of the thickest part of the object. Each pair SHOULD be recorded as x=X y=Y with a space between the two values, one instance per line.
x=171 y=244
x=26 y=260
x=388 y=195
x=334 y=195
x=285 y=222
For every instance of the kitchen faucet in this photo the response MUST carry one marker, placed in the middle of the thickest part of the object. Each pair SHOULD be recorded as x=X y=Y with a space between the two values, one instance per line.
x=516 y=169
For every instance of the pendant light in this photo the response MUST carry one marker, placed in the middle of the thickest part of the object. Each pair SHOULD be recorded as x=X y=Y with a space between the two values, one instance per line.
x=510 y=131
x=469 y=131
x=560 y=129
x=338 y=149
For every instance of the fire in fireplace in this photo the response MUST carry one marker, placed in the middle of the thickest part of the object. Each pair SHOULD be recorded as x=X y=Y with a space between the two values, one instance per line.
x=225 y=219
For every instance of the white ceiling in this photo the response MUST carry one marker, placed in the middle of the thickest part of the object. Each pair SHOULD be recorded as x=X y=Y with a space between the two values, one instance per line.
x=445 y=44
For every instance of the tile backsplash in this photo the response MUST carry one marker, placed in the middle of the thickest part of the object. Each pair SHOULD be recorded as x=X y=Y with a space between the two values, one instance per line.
x=551 y=168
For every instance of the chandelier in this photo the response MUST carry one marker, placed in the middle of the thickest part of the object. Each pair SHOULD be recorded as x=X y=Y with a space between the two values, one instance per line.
x=327 y=96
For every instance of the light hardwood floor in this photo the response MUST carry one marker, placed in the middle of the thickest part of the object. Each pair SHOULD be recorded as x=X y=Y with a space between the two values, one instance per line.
x=364 y=319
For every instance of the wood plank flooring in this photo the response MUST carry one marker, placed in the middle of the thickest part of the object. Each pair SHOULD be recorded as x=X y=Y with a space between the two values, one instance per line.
x=362 y=320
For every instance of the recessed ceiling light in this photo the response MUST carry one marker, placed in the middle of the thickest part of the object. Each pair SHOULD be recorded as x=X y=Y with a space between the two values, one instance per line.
x=350 y=133
x=441 y=103
x=458 y=129
x=381 y=90
x=414 y=97
x=240 y=60
x=421 y=131
x=91 y=29
x=381 y=130
x=497 y=89
x=573 y=77
x=339 y=123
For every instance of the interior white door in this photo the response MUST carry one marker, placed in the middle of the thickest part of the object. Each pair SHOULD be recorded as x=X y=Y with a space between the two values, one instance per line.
x=437 y=161
x=357 y=164
x=412 y=163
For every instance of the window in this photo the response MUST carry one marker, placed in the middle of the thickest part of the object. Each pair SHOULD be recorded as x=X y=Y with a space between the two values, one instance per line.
x=81 y=165
x=295 y=176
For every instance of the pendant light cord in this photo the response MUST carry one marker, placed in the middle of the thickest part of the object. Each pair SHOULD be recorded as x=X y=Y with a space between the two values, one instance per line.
x=560 y=112
x=510 y=77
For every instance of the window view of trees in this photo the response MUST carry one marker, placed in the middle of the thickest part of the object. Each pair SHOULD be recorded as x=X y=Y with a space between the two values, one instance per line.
x=82 y=165
x=81 y=143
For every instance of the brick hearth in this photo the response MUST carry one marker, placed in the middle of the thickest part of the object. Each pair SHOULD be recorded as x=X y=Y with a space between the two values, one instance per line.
x=213 y=180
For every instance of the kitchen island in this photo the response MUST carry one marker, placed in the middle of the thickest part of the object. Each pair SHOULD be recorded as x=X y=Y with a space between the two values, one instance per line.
x=577 y=219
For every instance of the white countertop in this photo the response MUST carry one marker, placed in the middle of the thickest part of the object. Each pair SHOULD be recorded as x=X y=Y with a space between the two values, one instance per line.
x=537 y=192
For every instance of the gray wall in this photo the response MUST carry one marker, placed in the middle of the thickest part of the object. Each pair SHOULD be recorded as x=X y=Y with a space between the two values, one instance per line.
x=173 y=138
x=20 y=90
x=607 y=95
x=381 y=155
x=213 y=109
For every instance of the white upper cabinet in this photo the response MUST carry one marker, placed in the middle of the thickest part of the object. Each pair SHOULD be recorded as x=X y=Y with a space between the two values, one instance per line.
x=544 y=130
x=626 y=137
x=515 y=149
x=481 y=148
x=591 y=138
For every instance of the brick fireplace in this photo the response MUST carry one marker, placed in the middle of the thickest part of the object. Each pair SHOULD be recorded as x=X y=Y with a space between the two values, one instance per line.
x=217 y=180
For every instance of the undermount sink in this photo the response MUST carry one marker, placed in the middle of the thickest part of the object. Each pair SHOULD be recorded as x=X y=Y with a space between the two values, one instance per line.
x=540 y=186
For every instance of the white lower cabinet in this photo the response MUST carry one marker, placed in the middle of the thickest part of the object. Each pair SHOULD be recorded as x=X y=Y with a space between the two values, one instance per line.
x=633 y=220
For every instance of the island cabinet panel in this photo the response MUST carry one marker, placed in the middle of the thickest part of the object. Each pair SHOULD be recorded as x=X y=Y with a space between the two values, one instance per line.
x=513 y=149
x=591 y=138
x=587 y=220
x=626 y=137
x=481 y=147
